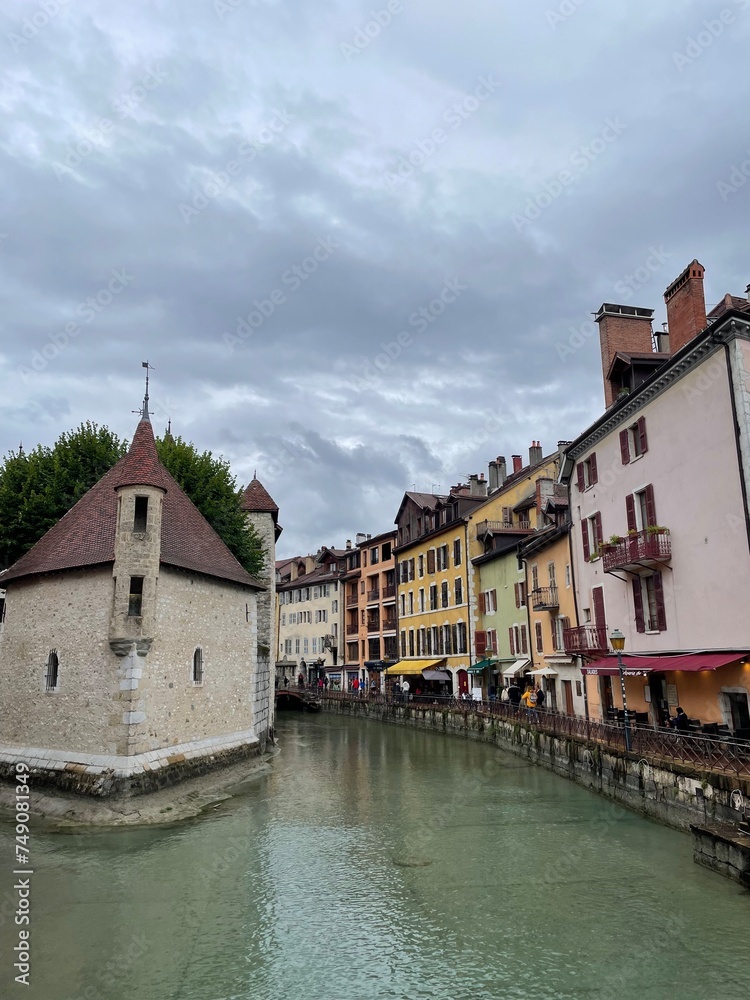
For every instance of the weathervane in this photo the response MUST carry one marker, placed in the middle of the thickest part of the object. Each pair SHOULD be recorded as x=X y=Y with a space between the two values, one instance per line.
x=144 y=411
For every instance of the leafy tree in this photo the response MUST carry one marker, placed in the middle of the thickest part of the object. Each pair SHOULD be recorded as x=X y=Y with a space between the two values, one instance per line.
x=209 y=483
x=36 y=489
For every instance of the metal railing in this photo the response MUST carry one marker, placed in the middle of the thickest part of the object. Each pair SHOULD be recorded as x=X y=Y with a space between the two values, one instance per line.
x=583 y=639
x=389 y=591
x=698 y=751
x=544 y=597
x=642 y=547
x=352 y=600
x=373 y=595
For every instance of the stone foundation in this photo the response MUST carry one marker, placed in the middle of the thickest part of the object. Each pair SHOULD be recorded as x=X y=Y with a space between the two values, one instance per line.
x=103 y=776
x=723 y=850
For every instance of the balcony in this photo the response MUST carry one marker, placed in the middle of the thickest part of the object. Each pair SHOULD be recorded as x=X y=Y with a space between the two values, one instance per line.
x=373 y=595
x=585 y=640
x=352 y=600
x=352 y=629
x=373 y=624
x=636 y=551
x=389 y=624
x=389 y=592
x=544 y=599
x=486 y=529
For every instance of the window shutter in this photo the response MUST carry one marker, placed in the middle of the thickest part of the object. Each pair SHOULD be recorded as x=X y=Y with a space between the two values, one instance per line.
x=581 y=477
x=482 y=604
x=522 y=594
x=480 y=641
x=650 y=505
x=598 y=536
x=640 y=624
x=624 y=447
x=564 y=623
x=512 y=641
x=431 y=561
x=524 y=641
x=494 y=600
x=539 y=637
x=630 y=511
x=515 y=591
x=454 y=630
x=592 y=466
x=585 y=539
x=597 y=596
x=661 y=614
x=411 y=569
x=507 y=514
x=642 y=434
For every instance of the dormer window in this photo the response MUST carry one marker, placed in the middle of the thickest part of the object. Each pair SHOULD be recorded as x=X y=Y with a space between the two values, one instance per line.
x=135 y=597
x=141 y=514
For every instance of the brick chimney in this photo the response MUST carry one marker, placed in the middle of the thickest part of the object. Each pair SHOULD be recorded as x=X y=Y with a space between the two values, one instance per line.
x=535 y=453
x=517 y=463
x=622 y=328
x=686 y=306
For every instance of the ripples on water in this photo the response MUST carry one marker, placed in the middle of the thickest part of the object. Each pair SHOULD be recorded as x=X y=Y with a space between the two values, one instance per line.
x=378 y=863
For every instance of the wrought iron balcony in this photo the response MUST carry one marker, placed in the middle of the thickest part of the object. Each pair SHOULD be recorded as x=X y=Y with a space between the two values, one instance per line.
x=544 y=599
x=389 y=624
x=352 y=600
x=352 y=629
x=373 y=624
x=639 y=550
x=389 y=591
x=373 y=595
x=585 y=640
x=487 y=528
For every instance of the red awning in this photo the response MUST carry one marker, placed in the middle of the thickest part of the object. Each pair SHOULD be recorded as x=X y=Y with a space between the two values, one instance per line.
x=640 y=666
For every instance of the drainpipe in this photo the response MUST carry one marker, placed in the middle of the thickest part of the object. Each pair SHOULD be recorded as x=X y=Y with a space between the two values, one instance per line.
x=738 y=445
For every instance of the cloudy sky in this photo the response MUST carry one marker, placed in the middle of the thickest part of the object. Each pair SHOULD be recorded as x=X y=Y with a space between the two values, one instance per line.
x=359 y=243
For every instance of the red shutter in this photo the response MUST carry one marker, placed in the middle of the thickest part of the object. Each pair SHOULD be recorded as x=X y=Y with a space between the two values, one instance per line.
x=512 y=641
x=650 y=506
x=480 y=641
x=597 y=595
x=592 y=466
x=482 y=604
x=661 y=614
x=515 y=591
x=630 y=511
x=581 y=478
x=585 y=539
x=624 y=447
x=638 y=605
x=598 y=536
x=642 y=434
x=524 y=642
x=539 y=638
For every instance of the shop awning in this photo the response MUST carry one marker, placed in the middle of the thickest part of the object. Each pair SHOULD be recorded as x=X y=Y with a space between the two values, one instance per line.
x=413 y=666
x=641 y=666
x=436 y=675
x=515 y=668
x=377 y=664
x=543 y=672
x=481 y=665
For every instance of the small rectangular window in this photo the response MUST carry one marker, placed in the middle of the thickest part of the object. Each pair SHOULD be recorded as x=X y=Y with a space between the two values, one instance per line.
x=141 y=514
x=51 y=675
x=198 y=666
x=135 y=597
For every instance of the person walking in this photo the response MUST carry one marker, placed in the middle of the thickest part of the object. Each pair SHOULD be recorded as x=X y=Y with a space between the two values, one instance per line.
x=514 y=695
x=540 y=698
x=528 y=699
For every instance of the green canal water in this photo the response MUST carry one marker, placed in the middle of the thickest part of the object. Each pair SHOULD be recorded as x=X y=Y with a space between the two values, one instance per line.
x=375 y=862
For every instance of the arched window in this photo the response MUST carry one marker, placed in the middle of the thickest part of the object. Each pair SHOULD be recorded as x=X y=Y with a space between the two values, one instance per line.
x=52 y=673
x=198 y=666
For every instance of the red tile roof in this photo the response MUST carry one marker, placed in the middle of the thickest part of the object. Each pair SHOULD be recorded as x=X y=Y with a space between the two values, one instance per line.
x=257 y=498
x=85 y=536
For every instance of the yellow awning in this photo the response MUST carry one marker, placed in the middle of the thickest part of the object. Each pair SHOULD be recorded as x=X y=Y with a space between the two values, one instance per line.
x=412 y=667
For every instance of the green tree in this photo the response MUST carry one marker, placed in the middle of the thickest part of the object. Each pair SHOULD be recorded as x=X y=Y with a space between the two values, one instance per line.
x=209 y=483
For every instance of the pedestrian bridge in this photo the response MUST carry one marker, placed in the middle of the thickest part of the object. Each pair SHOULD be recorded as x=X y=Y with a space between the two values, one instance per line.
x=297 y=699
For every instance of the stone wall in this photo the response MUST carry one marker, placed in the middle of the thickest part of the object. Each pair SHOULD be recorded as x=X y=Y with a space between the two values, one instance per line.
x=675 y=796
x=266 y=625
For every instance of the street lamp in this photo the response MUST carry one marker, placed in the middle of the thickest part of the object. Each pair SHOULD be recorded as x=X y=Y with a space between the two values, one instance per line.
x=617 y=640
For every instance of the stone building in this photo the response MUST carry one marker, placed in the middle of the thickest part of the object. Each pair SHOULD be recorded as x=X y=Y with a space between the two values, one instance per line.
x=128 y=657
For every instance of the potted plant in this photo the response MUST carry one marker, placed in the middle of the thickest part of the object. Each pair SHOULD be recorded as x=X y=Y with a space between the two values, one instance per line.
x=657 y=529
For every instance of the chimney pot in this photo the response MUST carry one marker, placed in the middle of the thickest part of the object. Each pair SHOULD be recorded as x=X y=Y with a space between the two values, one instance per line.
x=535 y=453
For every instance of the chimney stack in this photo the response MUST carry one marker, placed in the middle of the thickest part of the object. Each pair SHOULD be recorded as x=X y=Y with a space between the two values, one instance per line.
x=348 y=543
x=502 y=473
x=535 y=453
x=686 y=306
x=517 y=463
x=493 y=476
x=626 y=329
x=361 y=537
x=545 y=488
x=477 y=486
x=562 y=445
x=747 y=292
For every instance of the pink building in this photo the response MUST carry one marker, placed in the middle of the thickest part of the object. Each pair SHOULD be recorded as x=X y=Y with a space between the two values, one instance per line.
x=659 y=505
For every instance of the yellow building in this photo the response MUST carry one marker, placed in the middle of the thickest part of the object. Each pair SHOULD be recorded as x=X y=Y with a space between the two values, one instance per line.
x=433 y=573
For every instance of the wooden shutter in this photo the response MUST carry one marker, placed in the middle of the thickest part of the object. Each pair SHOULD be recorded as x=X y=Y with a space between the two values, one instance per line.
x=454 y=630
x=507 y=514
x=640 y=624
x=661 y=614
x=564 y=623
x=515 y=591
x=624 y=447
x=524 y=640
x=539 y=637
x=597 y=596
x=482 y=604
x=585 y=539
x=512 y=641
x=581 y=477
x=650 y=506
x=431 y=561
x=641 y=432
x=592 y=466
x=480 y=641
x=598 y=536
x=494 y=599
x=411 y=569
x=521 y=594
x=630 y=512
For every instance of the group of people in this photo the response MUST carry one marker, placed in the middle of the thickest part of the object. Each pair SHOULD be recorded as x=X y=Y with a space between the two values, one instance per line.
x=532 y=697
